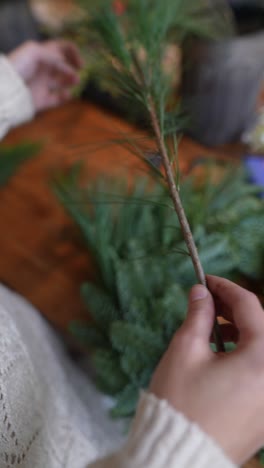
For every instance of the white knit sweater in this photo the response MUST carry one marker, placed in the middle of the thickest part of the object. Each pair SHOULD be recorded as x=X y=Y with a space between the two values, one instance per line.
x=51 y=416
x=16 y=105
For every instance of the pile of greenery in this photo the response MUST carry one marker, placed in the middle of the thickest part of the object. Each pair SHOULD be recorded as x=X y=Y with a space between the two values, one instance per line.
x=144 y=271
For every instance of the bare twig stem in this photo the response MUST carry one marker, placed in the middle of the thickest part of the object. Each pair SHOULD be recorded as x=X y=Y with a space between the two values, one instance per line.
x=185 y=227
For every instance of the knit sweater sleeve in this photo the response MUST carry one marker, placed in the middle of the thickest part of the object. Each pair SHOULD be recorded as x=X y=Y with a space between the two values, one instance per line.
x=162 y=438
x=16 y=105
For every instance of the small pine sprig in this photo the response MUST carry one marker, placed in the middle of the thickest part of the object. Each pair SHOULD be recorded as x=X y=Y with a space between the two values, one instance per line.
x=134 y=45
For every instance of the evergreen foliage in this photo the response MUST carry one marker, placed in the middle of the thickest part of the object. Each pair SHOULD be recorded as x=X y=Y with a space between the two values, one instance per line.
x=125 y=49
x=134 y=45
x=12 y=157
x=207 y=18
x=261 y=456
x=144 y=272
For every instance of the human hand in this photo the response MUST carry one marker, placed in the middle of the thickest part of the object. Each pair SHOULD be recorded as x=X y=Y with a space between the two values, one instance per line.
x=222 y=393
x=49 y=69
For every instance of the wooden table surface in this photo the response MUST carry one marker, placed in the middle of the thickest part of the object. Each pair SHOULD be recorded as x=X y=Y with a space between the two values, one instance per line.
x=39 y=256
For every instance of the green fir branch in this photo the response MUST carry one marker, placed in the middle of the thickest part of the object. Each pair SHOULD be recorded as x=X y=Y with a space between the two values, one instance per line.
x=151 y=291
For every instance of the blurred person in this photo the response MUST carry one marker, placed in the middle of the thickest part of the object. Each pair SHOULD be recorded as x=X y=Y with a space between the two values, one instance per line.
x=202 y=409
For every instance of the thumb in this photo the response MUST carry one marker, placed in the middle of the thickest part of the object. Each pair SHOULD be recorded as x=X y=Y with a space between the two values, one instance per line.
x=201 y=314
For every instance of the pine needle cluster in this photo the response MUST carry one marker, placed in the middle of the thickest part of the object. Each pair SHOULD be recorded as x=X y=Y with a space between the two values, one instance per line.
x=126 y=52
x=134 y=44
x=144 y=271
x=12 y=157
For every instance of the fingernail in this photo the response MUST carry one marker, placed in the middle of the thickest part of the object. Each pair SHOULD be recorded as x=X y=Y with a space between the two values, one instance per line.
x=198 y=292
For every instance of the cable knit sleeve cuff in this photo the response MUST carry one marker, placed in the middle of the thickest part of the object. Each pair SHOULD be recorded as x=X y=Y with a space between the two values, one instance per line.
x=162 y=438
x=16 y=105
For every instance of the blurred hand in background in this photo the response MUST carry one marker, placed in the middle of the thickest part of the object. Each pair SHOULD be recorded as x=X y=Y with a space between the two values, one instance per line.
x=50 y=69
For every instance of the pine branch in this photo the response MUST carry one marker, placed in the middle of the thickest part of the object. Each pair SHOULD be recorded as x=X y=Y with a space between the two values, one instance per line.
x=185 y=227
x=174 y=192
x=135 y=44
